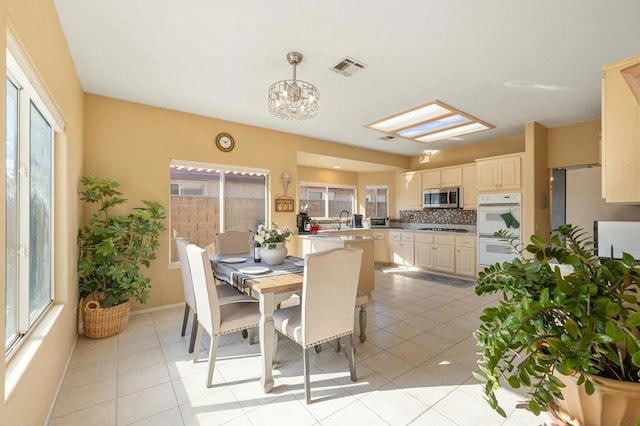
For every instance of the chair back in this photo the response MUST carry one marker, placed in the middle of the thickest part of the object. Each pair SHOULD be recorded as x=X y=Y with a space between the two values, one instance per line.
x=233 y=242
x=329 y=294
x=181 y=245
x=204 y=288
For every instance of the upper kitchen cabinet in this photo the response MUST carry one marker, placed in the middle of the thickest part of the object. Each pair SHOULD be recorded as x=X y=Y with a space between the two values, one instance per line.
x=499 y=173
x=410 y=191
x=448 y=177
x=621 y=131
x=470 y=186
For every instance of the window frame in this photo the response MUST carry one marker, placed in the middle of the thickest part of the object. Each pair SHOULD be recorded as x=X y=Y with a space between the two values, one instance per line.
x=223 y=170
x=376 y=188
x=325 y=195
x=30 y=95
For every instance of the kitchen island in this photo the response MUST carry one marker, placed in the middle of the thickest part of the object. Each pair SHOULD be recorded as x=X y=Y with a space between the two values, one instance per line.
x=313 y=243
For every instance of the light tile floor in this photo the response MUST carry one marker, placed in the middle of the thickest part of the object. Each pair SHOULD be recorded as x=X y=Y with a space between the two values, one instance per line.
x=414 y=368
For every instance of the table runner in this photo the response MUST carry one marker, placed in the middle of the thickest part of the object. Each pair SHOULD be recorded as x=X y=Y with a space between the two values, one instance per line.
x=229 y=272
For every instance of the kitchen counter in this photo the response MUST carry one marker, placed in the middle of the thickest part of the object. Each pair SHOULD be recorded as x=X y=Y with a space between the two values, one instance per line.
x=333 y=237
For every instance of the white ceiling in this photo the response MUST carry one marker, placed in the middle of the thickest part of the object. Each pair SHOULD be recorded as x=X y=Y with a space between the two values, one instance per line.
x=504 y=62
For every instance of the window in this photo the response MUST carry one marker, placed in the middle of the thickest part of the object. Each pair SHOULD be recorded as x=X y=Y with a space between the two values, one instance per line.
x=327 y=201
x=376 y=201
x=208 y=198
x=29 y=204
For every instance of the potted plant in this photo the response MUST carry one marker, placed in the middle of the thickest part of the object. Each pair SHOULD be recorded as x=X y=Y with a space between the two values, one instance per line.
x=112 y=250
x=272 y=243
x=561 y=335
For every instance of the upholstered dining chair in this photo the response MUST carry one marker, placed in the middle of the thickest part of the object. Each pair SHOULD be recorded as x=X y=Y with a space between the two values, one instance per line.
x=325 y=313
x=216 y=319
x=226 y=293
x=233 y=242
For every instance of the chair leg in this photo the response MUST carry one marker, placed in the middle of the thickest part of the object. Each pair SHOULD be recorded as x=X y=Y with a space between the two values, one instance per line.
x=194 y=331
x=275 y=347
x=307 y=384
x=252 y=335
x=338 y=345
x=185 y=319
x=363 y=322
x=351 y=357
x=213 y=350
x=196 y=354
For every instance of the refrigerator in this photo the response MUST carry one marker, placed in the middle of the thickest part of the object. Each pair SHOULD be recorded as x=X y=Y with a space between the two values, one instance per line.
x=612 y=238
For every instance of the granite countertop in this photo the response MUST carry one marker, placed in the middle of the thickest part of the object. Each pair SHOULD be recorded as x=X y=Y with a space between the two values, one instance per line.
x=337 y=238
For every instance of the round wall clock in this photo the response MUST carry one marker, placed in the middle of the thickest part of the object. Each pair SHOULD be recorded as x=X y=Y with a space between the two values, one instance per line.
x=225 y=142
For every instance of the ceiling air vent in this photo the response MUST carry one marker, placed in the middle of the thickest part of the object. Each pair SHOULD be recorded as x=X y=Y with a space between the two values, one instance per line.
x=348 y=66
x=386 y=138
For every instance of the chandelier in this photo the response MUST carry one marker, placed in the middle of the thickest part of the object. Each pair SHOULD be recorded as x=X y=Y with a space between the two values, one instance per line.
x=294 y=99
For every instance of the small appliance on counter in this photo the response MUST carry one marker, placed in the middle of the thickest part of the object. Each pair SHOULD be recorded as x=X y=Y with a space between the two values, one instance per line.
x=356 y=221
x=303 y=223
x=379 y=222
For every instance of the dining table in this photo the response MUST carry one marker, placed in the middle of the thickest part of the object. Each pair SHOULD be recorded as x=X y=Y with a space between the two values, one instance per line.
x=271 y=285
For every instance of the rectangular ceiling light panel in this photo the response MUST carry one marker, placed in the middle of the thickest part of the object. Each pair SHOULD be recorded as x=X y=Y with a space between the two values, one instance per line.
x=429 y=122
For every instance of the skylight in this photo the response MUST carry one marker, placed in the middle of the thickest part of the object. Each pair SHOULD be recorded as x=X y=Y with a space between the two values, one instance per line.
x=430 y=122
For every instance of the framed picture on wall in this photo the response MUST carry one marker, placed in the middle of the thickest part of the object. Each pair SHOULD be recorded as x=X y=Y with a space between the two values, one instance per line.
x=284 y=205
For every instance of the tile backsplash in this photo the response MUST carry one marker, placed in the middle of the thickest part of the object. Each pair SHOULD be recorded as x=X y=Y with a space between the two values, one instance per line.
x=439 y=216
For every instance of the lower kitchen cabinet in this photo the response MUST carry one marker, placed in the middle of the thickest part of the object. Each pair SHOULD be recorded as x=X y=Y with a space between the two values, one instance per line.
x=466 y=256
x=401 y=249
x=424 y=250
x=444 y=253
x=380 y=246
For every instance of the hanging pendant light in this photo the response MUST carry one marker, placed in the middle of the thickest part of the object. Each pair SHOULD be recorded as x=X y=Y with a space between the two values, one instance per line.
x=294 y=99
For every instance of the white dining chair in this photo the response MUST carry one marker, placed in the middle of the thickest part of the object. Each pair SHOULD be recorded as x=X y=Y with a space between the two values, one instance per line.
x=226 y=293
x=325 y=313
x=215 y=319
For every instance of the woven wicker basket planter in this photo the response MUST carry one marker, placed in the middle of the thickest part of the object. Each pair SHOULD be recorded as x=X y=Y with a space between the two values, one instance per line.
x=104 y=322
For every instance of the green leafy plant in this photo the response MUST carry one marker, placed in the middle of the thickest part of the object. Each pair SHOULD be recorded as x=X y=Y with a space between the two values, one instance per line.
x=114 y=247
x=269 y=237
x=584 y=323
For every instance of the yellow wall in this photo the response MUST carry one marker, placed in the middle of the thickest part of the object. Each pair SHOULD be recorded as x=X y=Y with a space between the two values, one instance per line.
x=575 y=145
x=134 y=144
x=535 y=183
x=468 y=154
x=35 y=25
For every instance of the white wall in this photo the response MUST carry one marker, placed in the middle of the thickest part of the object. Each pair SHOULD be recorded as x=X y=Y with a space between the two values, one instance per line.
x=585 y=203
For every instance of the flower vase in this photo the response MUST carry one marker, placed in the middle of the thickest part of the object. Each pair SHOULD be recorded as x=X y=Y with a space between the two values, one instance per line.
x=274 y=256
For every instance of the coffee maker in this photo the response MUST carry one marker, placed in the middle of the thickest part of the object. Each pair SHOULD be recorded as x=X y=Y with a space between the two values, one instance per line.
x=303 y=223
x=356 y=221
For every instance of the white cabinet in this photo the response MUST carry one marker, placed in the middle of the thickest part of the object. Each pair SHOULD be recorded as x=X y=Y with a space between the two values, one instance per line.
x=499 y=173
x=424 y=250
x=410 y=191
x=442 y=178
x=466 y=256
x=444 y=253
x=380 y=246
x=401 y=250
x=620 y=149
x=470 y=186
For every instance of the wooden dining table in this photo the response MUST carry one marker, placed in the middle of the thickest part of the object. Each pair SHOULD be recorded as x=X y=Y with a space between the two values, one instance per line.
x=270 y=290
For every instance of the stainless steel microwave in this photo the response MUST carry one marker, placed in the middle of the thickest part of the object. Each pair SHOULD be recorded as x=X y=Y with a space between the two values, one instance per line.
x=379 y=222
x=443 y=198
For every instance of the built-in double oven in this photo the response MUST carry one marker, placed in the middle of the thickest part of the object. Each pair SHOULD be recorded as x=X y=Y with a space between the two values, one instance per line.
x=498 y=212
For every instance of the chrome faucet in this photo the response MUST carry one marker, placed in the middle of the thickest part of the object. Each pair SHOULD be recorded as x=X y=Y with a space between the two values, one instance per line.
x=340 y=218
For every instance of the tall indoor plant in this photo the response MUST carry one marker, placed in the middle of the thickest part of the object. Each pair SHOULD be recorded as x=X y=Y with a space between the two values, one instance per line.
x=113 y=248
x=549 y=326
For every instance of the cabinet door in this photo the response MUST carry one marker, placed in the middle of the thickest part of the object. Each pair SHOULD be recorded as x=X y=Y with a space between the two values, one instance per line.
x=470 y=187
x=380 y=251
x=412 y=191
x=408 y=253
x=465 y=261
x=487 y=175
x=431 y=179
x=451 y=177
x=444 y=258
x=424 y=255
x=509 y=172
x=396 y=252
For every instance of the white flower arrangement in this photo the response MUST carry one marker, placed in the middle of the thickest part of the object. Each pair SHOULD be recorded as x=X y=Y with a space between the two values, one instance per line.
x=268 y=238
